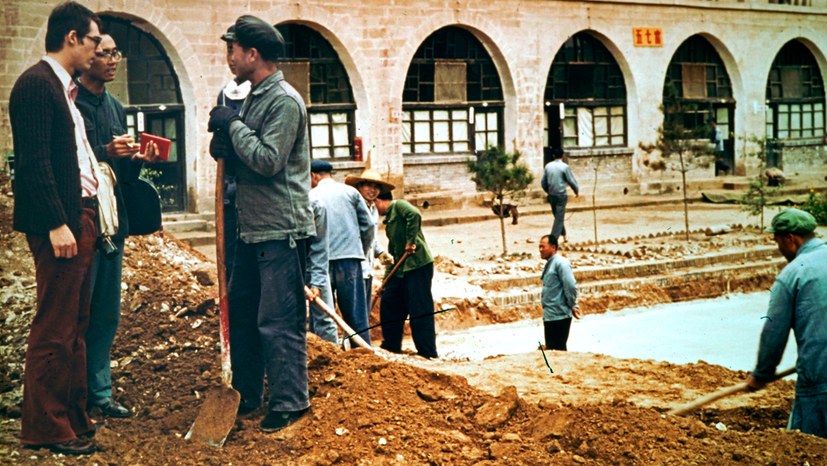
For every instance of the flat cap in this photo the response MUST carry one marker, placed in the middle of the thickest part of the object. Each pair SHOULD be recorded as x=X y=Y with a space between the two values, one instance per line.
x=229 y=36
x=792 y=221
x=320 y=166
x=252 y=32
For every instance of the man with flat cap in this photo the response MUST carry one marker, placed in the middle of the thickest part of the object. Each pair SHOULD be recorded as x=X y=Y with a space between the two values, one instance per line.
x=798 y=301
x=266 y=290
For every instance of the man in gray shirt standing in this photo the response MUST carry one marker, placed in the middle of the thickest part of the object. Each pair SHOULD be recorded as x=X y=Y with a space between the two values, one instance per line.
x=266 y=293
x=559 y=295
x=349 y=238
x=556 y=176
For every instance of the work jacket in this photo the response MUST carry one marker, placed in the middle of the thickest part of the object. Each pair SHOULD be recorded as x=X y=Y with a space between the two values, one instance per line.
x=273 y=176
x=559 y=289
x=403 y=224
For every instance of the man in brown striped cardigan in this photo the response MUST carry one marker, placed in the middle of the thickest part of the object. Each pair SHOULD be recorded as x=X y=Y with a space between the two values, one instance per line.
x=55 y=206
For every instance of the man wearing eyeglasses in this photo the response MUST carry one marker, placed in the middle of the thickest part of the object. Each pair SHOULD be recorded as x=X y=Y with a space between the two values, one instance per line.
x=106 y=130
x=55 y=206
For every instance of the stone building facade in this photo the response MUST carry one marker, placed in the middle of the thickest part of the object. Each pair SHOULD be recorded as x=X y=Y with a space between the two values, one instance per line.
x=422 y=85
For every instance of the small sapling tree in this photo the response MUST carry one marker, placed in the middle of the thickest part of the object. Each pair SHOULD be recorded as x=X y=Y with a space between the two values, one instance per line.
x=500 y=173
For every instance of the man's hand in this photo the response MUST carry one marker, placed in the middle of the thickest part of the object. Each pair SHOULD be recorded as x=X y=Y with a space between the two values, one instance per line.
x=312 y=293
x=754 y=384
x=122 y=146
x=221 y=147
x=411 y=248
x=220 y=118
x=386 y=258
x=576 y=312
x=63 y=242
x=151 y=155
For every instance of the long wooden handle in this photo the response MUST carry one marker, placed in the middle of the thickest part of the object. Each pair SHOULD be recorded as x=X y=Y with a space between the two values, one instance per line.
x=724 y=392
x=385 y=281
x=223 y=303
x=340 y=322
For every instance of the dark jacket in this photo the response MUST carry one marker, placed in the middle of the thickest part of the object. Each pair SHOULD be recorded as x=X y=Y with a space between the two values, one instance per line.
x=47 y=191
x=104 y=118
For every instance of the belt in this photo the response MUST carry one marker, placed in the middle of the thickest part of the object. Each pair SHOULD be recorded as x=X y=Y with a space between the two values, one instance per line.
x=90 y=203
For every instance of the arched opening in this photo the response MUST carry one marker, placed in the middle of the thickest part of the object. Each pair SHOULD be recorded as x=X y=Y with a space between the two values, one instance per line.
x=452 y=102
x=585 y=97
x=148 y=88
x=795 y=101
x=698 y=91
x=312 y=67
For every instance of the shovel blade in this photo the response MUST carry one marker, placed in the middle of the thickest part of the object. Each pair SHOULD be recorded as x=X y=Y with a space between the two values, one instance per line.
x=216 y=418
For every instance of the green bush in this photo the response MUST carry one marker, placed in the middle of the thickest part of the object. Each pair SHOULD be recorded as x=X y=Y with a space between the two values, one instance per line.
x=816 y=205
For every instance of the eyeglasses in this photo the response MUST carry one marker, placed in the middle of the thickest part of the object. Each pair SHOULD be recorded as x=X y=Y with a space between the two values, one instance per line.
x=113 y=55
x=96 y=39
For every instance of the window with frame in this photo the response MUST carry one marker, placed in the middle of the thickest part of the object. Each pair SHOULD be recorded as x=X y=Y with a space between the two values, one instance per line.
x=696 y=84
x=312 y=67
x=452 y=102
x=795 y=95
x=585 y=96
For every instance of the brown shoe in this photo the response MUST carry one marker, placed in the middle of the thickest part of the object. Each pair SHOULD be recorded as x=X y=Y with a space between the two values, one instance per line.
x=70 y=447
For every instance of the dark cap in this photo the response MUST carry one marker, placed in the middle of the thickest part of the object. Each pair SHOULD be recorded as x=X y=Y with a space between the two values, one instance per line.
x=229 y=36
x=793 y=221
x=320 y=166
x=252 y=32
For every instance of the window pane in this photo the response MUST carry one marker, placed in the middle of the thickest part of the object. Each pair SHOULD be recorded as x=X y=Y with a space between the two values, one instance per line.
x=422 y=115
x=585 y=132
x=818 y=119
x=461 y=147
x=459 y=115
x=406 y=116
x=601 y=141
x=422 y=132
x=492 y=139
x=319 y=136
x=460 y=130
x=601 y=126
x=441 y=132
x=783 y=124
x=339 y=117
x=321 y=153
x=318 y=118
x=442 y=147
x=406 y=148
x=783 y=134
x=569 y=127
x=795 y=120
x=492 y=121
x=570 y=142
x=406 y=133
x=600 y=111
x=480 y=141
x=340 y=136
x=617 y=140
x=173 y=152
x=617 y=125
x=440 y=115
x=783 y=108
x=422 y=148
x=341 y=152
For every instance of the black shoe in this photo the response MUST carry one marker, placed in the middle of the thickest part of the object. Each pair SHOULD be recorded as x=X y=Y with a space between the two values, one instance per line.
x=277 y=420
x=70 y=447
x=245 y=409
x=111 y=408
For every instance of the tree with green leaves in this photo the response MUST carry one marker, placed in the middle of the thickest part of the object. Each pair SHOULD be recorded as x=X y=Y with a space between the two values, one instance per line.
x=500 y=173
x=690 y=145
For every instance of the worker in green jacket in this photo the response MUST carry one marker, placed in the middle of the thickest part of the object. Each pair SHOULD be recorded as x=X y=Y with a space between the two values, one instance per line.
x=408 y=292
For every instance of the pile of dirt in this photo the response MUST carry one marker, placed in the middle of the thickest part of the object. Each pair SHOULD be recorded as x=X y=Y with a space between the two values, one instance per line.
x=367 y=409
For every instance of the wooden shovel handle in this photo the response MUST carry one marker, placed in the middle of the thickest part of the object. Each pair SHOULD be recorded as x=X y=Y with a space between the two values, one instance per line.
x=342 y=324
x=724 y=392
x=223 y=303
x=385 y=281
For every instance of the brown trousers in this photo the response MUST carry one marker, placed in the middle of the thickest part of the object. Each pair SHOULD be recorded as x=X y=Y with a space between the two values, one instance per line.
x=54 y=390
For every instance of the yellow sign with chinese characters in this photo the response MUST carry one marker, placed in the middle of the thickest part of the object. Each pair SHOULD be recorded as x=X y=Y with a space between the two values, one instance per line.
x=647 y=37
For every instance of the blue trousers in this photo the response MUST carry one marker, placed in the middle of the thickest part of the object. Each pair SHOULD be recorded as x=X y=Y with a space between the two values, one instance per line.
x=268 y=318
x=809 y=415
x=409 y=295
x=322 y=324
x=558 y=210
x=349 y=288
x=105 y=314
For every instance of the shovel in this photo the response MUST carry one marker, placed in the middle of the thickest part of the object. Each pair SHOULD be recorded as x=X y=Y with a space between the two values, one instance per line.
x=705 y=400
x=218 y=413
x=340 y=322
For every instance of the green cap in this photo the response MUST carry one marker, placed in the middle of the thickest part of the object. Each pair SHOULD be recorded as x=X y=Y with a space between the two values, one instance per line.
x=792 y=221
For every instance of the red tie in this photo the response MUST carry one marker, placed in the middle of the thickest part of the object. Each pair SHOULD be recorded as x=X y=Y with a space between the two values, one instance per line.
x=73 y=91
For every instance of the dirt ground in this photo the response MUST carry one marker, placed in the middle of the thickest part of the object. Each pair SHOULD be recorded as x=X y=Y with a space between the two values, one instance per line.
x=393 y=410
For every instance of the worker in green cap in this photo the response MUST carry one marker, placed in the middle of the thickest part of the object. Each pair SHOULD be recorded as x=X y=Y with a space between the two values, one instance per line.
x=798 y=301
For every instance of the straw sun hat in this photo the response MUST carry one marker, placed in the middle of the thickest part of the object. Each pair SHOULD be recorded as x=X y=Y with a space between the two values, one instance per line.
x=370 y=176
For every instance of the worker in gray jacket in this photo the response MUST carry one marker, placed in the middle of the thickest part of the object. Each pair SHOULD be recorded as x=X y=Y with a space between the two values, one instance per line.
x=556 y=177
x=268 y=313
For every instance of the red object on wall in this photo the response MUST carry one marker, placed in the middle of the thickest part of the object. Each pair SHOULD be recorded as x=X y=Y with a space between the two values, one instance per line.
x=357 y=149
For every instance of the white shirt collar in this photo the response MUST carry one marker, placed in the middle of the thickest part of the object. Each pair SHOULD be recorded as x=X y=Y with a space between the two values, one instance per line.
x=60 y=71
